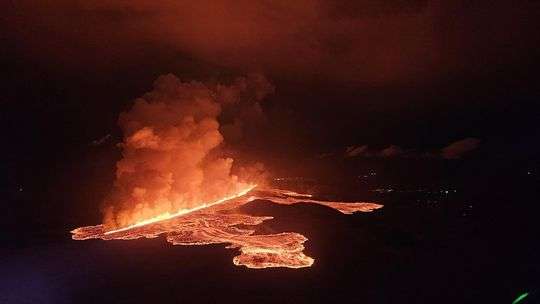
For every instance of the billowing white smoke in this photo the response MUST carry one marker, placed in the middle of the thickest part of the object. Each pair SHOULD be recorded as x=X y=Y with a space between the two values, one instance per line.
x=170 y=158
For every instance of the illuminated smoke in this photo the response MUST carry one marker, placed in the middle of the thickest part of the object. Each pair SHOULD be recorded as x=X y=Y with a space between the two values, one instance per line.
x=374 y=42
x=170 y=150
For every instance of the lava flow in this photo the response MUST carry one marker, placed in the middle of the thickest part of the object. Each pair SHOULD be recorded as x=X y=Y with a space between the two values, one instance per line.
x=222 y=222
x=174 y=178
x=167 y=215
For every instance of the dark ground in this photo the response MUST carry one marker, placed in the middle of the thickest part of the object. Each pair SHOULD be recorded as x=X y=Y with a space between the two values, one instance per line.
x=475 y=245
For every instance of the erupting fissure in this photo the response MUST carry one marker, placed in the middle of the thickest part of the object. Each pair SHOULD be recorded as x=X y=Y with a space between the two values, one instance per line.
x=167 y=215
x=222 y=222
x=175 y=179
x=173 y=161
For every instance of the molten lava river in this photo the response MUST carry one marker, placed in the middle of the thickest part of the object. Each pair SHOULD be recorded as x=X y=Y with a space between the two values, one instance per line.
x=222 y=222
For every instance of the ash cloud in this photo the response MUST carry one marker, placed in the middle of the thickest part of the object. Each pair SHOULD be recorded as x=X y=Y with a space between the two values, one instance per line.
x=170 y=151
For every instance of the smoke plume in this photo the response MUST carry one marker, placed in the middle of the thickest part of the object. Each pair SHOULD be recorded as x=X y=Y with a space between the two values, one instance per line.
x=171 y=159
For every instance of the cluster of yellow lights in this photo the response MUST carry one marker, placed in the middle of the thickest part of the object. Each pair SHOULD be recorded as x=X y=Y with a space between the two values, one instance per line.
x=168 y=216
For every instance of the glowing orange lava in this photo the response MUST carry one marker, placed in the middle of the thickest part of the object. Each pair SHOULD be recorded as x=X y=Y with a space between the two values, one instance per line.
x=221 y=222
x=168 y=216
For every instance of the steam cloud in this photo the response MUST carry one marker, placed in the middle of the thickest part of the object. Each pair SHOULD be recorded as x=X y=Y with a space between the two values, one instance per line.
x=170 y=148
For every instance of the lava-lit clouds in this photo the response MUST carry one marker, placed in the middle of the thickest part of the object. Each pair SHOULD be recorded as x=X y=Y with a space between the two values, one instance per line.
x=169 y=156
x=343 y=41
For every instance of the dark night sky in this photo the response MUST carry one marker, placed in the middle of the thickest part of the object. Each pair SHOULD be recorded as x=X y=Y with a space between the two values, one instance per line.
x=415 y=74
x=412 y=73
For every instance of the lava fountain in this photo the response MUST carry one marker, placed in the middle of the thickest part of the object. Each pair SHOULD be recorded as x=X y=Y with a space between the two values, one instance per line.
x=167 y=215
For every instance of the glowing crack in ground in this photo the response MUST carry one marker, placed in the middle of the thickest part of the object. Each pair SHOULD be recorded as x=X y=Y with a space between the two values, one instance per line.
x=224 y=223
